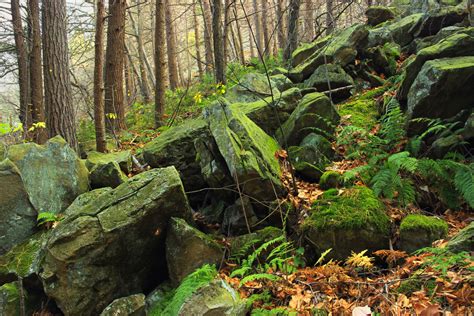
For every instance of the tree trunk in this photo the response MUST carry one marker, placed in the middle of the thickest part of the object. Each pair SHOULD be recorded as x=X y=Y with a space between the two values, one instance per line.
x=160 y=62
x=226 y=29
x=99 y=113
x=330 y=22
x=206 y=10
x=308 y=21
x=280 y=24
x=292 y=36
x=239 y=34
x=114 y=58
x=36 y=76
x=171 y=48
x=197 y=39
x=258 y=27
x=266 y=35
x=218 y=42
x=22 y=59
x=57 y=83
x=129 y=79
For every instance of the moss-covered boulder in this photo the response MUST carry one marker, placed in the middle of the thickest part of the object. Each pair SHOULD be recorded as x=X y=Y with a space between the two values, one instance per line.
x=383 y=59
x=84 y=199
x=122 y=158
x=248 y=151
x=252 y=87
x=3 y=150
x=350 y=222
x=329 y=180
x=115 y=245
x=305 y=50
x=271 y=112
x=311 y=158
x=340 y=49
x=133 y=305
x=440 y=89
x=89 y=146
x=108 y=174
x=436 y=20
x=10 y=299
x=282 y=83
x=53 y=174
x=378 y=14
x=17 y=214
x=314 y=114
x=463 y=240
x=402 y=32
x=330 y=77
x=236 y=222
x=419 y=231
x=187 y=249
x=453 y=46
x=175 y=147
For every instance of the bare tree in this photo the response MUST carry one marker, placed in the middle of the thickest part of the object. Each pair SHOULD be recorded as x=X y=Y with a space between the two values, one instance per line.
x=197 y=39
x=114 y=58
x=99 y=113
x=219 y=63
x=330 y=21
x=160 y=63
x=60 y=118
x=206 y=15
x=171 y=48
x=292 y=36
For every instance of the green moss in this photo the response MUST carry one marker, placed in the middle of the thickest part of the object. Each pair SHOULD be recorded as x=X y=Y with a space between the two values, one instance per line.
x=415 y=284
x=355 y=208
x=330 y=193
x=416 y=222
x=329 y=179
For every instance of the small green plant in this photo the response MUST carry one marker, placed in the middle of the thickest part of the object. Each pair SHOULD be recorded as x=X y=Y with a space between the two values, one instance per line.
x=442 y=260
x=47 y=219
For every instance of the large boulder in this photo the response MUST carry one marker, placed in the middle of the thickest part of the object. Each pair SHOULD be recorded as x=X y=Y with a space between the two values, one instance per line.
x=122 y=158
x=84 y=199
x=340 y=49
x=107 y=174
x=53 y=174
x=314 y=114
x=248 y=151
x=330 y=77
x=350 y=222
x=252 y=87
x=307 y=49
x=17 y=214
x=175 y=147
x=114 y=246
x=401 y=32
x=440 y=89
x=187 y=249
x=133 y=305
x=419 y=231
x=436 y=20
x=453 y=46
x=271 y=112
x=378 y=14
x=239 y=217
x=463 y=240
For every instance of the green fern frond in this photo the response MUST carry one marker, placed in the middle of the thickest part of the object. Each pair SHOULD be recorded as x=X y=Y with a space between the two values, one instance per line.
x=259 y=276
x=464 y=181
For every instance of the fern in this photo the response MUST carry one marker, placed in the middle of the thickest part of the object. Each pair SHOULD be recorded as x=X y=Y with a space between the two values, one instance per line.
x=464 y=181
x=259 y=276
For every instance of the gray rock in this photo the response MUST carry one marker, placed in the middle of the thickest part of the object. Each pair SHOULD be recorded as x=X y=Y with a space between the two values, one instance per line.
x=282 y=83
x=402 y=32
x=235 y=222
x=378 y=14
x=107 y=174
x=17 y=214
x=314 y=114
x=122 y=158
x=217 y=298
x=468 y=130
x=307 y=49
x=439 y=90
x=53 y=174
x=463 y=241
x=84 y=199
x=113 y=246
x=330 y=77
x=133 y=305
x=187 y=249
x=419 y=231
x=251 y=87
x=10 y=299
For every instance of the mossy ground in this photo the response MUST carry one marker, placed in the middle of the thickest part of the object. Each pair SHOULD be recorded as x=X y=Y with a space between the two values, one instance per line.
x=416 y=222
x=354 y=208
x=329 y=179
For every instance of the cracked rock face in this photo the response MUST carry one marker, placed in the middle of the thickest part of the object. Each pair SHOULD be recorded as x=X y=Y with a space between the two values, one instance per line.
x=114 y=245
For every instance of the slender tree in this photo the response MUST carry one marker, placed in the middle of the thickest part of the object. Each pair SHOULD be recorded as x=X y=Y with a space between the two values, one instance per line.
x=36 y=75
x=292 y=36
x=22 y=59
x=258 y=26
x=197 y=40
x=308 y=21
x=330 y=22
x=114 y=58
x=266 y=34
x=60 y=118
x=280 y=21
x=219 y=63
x=99 y=115
x=160 y=62
x=171 y=48
x=206 y=10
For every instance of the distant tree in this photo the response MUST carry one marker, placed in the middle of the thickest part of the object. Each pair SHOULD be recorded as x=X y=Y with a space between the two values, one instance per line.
x=171 y=48
x=330 y=22
x=293 y=17
x=160 y=62
x=309 y=21
x=266 y=33
x=22 y=58
x=114 y=58
x=258 y=26
x=197 y=40
x=206 y=10
x=60 y=118
x=36 y=75
x=219 y=63
x=99 y=113
x=280 y=21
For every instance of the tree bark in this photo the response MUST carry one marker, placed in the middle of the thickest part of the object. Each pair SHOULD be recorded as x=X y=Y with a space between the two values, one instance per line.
x=60 y=118
x=171 y=48
x=280 y=24
x=330 y=22
x=22 y=59
x=99 y=113
x=308 y=21
x=292 y=36
x=197 y=39
x=258 y=27
x=114 y=58
x=218 y=42
x=160 y=63
x=206 y=10
x=36 y=76
x=239 y=34
x=266 y=35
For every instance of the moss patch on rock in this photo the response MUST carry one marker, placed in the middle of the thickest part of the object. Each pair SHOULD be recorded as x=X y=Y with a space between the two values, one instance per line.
x=329 y=180
x=419 y=231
